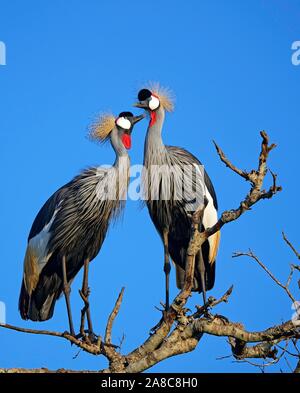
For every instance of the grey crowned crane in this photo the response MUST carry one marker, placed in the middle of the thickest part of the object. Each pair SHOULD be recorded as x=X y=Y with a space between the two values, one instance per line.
x=70 y=228
x=171 y=214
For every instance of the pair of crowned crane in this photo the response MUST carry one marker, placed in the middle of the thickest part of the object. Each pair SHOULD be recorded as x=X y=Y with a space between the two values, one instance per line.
x=70 y=228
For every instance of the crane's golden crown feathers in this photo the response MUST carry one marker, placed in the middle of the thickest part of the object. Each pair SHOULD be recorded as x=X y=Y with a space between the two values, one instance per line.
x=165 y=95
x=100 y=129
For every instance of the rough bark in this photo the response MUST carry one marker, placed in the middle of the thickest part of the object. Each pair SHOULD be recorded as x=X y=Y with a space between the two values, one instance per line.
x=180 y=331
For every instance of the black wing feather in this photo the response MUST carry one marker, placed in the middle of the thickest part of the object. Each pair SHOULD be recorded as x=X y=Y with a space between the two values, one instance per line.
x=180 y=227
x=45 y=214
x=77 y=232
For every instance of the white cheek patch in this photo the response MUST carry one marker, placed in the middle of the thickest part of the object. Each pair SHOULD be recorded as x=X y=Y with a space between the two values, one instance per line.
x=124 y=123
x=153 y=103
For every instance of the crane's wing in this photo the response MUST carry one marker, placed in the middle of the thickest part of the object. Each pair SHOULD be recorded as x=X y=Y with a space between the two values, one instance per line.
x=210 y=217
x=46 y=213
x=182 y=157
x=72 y=223
x=68 y=219
x=37 y=253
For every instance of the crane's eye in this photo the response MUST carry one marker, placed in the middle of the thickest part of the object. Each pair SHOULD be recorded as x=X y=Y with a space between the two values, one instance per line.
x=123 y=123
x=144 y=94
x=153 y=103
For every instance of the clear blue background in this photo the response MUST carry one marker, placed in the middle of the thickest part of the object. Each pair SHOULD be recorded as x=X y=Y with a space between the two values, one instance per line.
x=229 y=64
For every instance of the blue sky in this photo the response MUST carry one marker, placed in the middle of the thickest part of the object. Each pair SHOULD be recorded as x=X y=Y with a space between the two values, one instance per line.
x=229 y=64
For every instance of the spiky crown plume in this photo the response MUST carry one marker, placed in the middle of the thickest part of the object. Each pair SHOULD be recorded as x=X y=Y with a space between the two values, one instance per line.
x=165 y=95
x=102 y=126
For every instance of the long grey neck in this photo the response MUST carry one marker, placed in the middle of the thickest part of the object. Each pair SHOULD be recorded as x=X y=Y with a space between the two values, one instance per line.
x=121 y=152
x=154 y=146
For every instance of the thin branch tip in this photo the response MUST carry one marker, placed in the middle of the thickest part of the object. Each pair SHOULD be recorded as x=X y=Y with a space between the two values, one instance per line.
x=179 y=331
x=112 y=316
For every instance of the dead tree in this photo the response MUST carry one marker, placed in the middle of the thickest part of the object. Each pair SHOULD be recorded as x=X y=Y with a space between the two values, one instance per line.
x=181 y=330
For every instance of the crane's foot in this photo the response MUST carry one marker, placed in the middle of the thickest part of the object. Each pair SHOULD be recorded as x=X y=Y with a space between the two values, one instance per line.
x=73 y=334
x=89 y=336
x=67 y=333
x=206 y=310
x=92 y=337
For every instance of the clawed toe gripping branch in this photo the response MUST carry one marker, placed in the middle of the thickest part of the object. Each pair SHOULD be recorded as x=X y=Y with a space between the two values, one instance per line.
x=180 y=331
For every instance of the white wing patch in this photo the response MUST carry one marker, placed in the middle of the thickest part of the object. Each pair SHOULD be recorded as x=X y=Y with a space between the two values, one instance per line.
x=39 y=243
x=210 y=218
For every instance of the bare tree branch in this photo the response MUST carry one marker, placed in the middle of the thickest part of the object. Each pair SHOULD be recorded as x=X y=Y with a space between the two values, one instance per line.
x=93 y=349
x=257 y=193
x=180 y=332
x=212 y=302
x=290 y=245
x=44 y=370
x=229 y=164
x=279 y=283
x=112 y=317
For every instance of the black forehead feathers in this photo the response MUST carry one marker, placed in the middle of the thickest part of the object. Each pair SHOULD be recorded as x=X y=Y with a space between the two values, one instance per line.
x=144 y=94
x=126 y=114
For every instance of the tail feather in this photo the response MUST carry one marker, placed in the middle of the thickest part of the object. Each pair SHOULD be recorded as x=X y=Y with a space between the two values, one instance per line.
x=24 y=301
x=180 y=275
x=197 y=286
x=209 y=271
x=40 y=304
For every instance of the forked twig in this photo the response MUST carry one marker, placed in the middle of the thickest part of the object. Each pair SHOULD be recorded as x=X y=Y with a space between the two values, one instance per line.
x=250 y=254
x=290 y=245
x=112 y=317
x=184 y=337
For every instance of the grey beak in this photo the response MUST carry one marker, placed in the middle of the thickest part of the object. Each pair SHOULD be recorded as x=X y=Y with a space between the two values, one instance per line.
x=140 y=105
x=136 y=119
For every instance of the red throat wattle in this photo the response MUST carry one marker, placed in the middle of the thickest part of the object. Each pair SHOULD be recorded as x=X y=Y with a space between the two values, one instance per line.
x=126 y=139
x=152 y=118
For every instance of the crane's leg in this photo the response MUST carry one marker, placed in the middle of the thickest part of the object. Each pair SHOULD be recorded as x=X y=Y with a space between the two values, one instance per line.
x=66 y=290
x=202 y=275
x=167 y=266
x=167 y=269
x=85 y=292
